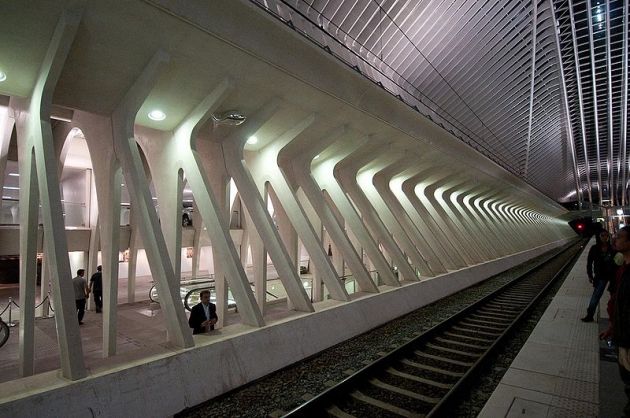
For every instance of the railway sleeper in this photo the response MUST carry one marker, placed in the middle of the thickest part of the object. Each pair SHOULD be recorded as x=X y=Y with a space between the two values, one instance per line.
x=400 y=391
x=488 y=310
x=359 y=396
x=335 y=411
x=453 y=351
x=476 y=331
x=431 y=368
x=496 y=318
x=481 y=324
x=502 y=308
x=521 y=297
x=462 y=344
x=508 y=304
x=422 y=354
x=487 y=340
x=418 y=379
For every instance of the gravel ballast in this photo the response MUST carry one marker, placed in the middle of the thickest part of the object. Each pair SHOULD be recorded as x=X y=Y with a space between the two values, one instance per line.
x=286 y=389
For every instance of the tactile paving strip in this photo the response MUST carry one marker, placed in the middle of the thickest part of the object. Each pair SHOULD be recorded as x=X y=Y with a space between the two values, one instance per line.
x=571 y=408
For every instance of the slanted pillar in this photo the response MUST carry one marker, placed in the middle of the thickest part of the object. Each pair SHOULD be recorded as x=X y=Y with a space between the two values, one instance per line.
x=346 y=174
x=125 y=146
x=97 y=131
x=233 y=154
x=283 y=186
x=213 y=207
x=37 y=155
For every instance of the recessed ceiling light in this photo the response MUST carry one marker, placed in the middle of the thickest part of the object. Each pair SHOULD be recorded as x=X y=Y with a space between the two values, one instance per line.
x=157 y=115
x=252 y=140
x=3 y=76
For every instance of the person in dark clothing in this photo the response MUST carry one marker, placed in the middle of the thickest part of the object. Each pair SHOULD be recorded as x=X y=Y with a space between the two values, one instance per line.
x=600 y=268
x=619 y=312
x=203 y=315
x=96 y=286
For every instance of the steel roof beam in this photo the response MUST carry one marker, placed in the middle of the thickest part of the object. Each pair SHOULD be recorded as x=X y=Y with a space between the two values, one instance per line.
x=532 y=85
x=581 y=104
x=594 y=85
x=578 y=186
x=613 y=194
x=624 y=103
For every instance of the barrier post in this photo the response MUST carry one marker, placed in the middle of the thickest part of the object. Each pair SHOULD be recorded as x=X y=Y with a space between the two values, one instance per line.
x=10 y=323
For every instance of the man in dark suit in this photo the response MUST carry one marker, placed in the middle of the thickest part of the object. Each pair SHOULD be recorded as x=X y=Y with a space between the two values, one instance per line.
x=203 y=315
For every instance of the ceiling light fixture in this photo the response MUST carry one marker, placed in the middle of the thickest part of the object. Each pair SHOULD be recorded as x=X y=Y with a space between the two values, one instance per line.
x=14 y=174
x=3 y=76
x=229 y=117
x=316 y=157
x=252 y=140
x=157 y=115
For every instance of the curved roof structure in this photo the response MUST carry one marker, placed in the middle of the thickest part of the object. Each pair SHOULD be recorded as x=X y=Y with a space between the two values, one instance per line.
x=555 y=115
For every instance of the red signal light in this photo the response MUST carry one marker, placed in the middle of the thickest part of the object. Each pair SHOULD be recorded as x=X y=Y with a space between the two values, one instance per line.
x=579 y=227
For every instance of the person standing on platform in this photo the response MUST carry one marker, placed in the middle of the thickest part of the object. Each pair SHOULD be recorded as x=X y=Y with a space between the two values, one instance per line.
x=203 y=315
x=81 y=291
x=96 y=286
x=600 y=268
x=619 y=312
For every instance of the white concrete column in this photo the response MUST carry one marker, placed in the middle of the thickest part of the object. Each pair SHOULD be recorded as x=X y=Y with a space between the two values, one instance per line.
x=414 y=188
x=135 y=241
x=342 y=245
x=7 y=122
x=346 y=174
x=473 y=201
x=325 y=175
x=381 y=181
x=92 y=258
x=264 y=167
x=259 y=261
x=97 y=131
x=495 y=222
x=197 y=227
x=491 y=206
x=157 y=254
x=421 y=219
x=462 y=198
x=365 y=178
x=451 y=224
x=36 y=150
x=28 y=257
x=214 y=210
x=457 y=211
x=233 y=154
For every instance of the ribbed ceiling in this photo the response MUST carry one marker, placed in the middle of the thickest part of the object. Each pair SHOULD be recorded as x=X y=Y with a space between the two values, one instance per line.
x=468 y=66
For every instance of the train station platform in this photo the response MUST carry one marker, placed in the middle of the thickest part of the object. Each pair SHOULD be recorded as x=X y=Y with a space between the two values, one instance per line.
x=563 y=370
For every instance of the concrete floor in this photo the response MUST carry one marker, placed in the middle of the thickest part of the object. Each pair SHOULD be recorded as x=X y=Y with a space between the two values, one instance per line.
x=141 y=332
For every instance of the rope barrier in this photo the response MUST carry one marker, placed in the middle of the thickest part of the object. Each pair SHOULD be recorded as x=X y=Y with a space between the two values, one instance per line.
x=11 y=303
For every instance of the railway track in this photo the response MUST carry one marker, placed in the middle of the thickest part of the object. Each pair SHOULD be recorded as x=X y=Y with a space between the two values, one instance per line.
x=424 y=377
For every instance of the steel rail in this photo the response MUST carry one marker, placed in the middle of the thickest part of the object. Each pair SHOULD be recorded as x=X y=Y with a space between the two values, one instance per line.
x=318 y=404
